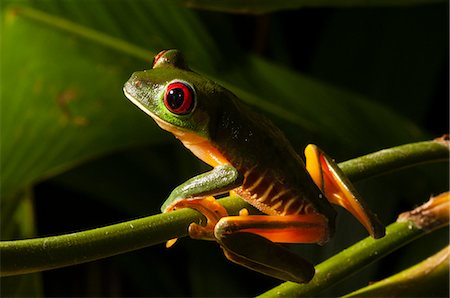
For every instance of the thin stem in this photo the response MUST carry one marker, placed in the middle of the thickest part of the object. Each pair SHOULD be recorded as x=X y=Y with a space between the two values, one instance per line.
x=38 y=254
x=396 y=158
x=418 y=280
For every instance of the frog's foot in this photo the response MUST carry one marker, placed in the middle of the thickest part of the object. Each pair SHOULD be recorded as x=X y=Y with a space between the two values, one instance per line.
x=210 y=208
x=338 y=190
x=249 y=241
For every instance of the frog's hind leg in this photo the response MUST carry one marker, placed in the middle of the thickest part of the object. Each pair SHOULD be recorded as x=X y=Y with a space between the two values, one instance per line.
x=338 y=189
x=249 y=241
x=302 y=228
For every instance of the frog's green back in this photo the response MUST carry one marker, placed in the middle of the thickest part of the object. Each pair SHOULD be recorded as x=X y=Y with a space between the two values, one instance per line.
x=256 y=147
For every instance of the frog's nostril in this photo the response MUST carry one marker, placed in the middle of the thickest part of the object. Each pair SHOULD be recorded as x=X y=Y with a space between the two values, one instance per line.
x=138 y=84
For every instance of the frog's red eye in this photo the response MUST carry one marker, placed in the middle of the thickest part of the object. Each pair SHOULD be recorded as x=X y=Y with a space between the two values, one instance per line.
x=179 y=98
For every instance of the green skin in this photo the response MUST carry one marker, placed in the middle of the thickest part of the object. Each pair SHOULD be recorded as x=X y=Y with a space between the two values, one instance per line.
x=247 y=140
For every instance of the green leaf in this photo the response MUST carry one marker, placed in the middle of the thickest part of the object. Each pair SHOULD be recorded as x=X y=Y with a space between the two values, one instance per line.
x=60 y=113
x=62 y=104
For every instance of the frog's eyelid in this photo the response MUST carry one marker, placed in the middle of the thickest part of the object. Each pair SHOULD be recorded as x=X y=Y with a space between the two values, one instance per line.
x=157 y=57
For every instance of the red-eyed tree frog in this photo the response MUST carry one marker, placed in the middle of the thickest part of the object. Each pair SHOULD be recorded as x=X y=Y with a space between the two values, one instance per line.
x=251 y=157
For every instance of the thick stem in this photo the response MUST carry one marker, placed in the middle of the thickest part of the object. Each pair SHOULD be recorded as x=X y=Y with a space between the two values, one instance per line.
x=38 y=254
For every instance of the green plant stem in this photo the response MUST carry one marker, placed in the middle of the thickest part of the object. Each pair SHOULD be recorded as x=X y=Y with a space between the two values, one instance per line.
x=38 y=254
x=396 y=158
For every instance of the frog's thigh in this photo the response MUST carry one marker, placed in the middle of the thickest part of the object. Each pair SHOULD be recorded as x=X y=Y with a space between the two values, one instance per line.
x=306 y=228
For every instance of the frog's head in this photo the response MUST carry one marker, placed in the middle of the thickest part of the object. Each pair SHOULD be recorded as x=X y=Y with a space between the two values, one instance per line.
x=178 y=99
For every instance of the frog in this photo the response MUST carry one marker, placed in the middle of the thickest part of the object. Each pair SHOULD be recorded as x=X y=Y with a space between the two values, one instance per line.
x=253 y=159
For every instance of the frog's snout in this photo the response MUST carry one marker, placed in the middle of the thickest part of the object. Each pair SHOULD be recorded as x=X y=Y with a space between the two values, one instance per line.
x=133 y=89
x=137 y=88
x=133 y=84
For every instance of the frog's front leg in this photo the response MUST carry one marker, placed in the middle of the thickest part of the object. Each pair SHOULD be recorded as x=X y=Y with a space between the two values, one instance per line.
x=197 y=192
x=249 y=241
x=219 y=180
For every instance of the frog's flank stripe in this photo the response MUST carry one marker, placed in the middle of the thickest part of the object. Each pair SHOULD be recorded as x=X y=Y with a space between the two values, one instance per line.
x=282 y=208
x=256 y=183
x=247 y=174
x=279 y=195
x=308 y=209
x=289 y=204
x=266 y=194
x=300 y=207
x=270 y=195
x=294 y=205
x=277 y=205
